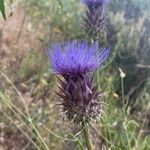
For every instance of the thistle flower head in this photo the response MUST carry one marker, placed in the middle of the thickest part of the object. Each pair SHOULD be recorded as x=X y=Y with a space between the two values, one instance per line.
x=74 y=61
x=76 y=58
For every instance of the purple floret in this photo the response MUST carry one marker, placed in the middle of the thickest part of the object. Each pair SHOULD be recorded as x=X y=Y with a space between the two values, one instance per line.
x=75 y=58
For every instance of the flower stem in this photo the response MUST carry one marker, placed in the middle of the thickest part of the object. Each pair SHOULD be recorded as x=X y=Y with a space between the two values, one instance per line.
x=87 y=137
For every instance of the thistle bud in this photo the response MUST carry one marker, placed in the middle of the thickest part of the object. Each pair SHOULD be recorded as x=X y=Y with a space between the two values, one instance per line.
x=96 y=20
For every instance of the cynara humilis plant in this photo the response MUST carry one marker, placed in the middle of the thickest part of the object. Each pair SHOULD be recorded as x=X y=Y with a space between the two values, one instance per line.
x=95 y=21
x=75 y=62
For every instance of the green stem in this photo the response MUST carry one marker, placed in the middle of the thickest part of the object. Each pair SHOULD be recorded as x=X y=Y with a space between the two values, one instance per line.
x=87 y=137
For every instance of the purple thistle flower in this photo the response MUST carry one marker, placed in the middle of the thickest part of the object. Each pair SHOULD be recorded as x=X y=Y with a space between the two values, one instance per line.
x=96 y=20
x=75 y=62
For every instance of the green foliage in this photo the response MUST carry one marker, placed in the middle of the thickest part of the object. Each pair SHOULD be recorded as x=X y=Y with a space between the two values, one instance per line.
x=29 y=66
x=59 y=17
x=2 y=8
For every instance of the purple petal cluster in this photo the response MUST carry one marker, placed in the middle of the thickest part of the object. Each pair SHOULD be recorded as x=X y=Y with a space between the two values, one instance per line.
x=76 y=58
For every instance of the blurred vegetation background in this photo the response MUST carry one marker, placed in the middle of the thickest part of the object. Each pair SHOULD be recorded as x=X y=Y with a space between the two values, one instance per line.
x=29 y=116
